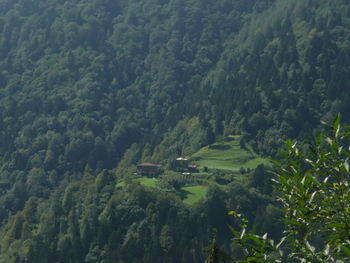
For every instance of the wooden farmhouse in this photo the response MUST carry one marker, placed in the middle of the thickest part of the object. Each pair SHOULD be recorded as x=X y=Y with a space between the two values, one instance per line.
x=180 y=164
x=147 y=169
x=192 y=168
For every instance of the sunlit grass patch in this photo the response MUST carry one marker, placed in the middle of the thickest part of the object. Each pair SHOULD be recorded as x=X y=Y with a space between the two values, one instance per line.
x=227 y=155
x=150 y=182
x=194 y=193
x=145 y=181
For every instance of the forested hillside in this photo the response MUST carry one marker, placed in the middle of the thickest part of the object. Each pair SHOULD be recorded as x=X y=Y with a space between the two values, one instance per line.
x=285 y=71
x=90 y=88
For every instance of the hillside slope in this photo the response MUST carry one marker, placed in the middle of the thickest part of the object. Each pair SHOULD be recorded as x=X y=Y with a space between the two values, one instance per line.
x=286 y=70
x=93 y=85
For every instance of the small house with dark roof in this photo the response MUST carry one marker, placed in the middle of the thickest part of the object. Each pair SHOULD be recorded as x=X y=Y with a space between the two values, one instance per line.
x=192 y=168
x=180 y=164
x=147 y=169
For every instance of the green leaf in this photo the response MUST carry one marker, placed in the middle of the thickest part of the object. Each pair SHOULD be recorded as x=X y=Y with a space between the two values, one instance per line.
x=312 y=197
x=256 y=239
x=346 y=250
x=281 y=242
x=346 y=166
x=326 y=250
x=242 y=233
x=336 y=126
x=309 y=246
x=329 y=141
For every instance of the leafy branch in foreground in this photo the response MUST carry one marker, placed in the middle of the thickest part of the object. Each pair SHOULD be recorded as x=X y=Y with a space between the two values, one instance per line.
x=255 y=248
x=313 y=185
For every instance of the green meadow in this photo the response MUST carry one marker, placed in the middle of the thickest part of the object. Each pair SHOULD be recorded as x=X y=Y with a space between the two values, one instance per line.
x=194 y=193
x=149 y=182
x=227 y=155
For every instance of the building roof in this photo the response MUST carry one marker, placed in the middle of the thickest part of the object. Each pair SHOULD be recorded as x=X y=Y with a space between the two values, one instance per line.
x=147 y=165
x=181 y=159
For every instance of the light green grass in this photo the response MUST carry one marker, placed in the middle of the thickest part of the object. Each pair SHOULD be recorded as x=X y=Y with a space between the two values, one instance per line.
x=255 y=162
x=120 y=184
x=194 y=193
x=149 y=182
x=227 y=156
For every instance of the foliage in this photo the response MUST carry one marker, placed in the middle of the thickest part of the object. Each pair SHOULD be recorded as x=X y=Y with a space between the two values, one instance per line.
x=313 y=182
x=255 y=248
x=98 y=219
x=93 y=85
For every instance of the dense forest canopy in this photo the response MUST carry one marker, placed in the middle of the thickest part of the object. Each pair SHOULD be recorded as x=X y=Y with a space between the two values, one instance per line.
x=92 y=85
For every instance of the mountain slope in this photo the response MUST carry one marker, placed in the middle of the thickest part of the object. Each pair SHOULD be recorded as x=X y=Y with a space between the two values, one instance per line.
x=93 y=85
x=286 y=70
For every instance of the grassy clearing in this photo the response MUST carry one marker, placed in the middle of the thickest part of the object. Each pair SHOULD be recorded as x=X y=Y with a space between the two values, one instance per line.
x=256 y=161
x=227 y=156
x=194 y=193
x=149 y=182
